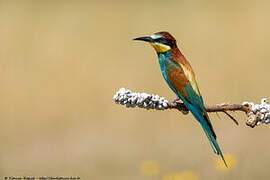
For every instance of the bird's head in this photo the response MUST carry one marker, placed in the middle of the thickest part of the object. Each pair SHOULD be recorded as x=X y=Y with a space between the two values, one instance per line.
x=161 y=41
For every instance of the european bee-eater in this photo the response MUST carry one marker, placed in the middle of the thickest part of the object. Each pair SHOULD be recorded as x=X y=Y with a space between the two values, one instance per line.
x=179 y=75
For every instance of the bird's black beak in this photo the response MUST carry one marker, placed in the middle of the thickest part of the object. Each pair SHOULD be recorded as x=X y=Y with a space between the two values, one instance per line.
x=147 y=39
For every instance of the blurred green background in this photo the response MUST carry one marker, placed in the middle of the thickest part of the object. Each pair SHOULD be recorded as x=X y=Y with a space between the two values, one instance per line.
x=62 y=61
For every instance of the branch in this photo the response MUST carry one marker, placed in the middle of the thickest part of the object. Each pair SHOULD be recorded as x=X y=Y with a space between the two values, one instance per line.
x=256 y=113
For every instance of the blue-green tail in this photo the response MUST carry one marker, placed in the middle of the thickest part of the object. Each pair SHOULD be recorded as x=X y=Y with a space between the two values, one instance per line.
x=215 y=146
x=204 y=120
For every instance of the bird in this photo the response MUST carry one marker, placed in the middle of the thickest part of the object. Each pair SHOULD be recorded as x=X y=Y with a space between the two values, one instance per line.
x=180 y=77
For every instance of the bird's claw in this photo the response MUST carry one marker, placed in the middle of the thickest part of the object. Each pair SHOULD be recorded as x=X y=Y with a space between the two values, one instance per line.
x=175 y=100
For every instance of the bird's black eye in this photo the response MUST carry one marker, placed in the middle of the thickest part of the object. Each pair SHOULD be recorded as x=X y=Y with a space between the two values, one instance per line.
x=162 y=41
x=165 y=42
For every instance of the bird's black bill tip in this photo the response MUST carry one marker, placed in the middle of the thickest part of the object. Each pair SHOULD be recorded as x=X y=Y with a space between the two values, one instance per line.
x=146 y=39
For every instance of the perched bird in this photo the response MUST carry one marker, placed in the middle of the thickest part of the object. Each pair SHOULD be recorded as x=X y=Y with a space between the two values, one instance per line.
x=179 y=75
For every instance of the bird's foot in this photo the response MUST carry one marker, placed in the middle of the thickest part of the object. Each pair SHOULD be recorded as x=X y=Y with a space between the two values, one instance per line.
x=175 y=100
x=185 y=110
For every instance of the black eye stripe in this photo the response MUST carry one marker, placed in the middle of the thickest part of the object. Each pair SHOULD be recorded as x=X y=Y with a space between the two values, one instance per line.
x=157 y=40
x=163 y=41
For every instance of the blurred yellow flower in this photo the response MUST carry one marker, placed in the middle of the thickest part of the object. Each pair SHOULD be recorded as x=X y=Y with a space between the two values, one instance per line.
x=189 y=175
x=230 y=160
x=173 y=176
x=150 y=168
x=185 y=175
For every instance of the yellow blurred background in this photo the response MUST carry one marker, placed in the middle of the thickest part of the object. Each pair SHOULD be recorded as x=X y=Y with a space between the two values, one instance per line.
x=62 y=61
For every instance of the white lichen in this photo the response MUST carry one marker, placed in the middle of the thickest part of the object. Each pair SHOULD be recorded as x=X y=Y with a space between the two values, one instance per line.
x=262 y=109
x=142 y=100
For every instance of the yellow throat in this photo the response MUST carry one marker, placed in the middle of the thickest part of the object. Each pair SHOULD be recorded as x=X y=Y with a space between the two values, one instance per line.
x=160 y=48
